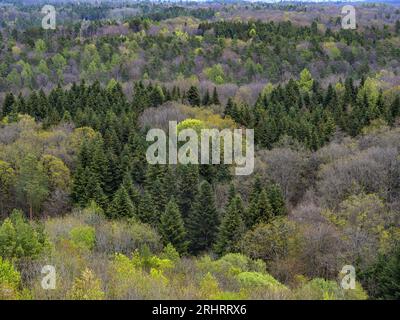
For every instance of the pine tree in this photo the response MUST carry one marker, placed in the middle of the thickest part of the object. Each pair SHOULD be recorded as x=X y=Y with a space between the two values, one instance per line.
x=131 y=189
x=231 y=192
x=172 y=228
x=112 y=176
x=147 y=211
x=276 y=199
x=121 y=205
x=260 y=210
x=203 y=220
x=193 y=96
x=229 y=108
x=187 y=187
x=231 y=229
x=215 y=98
x=206 y=99
x=154 y=184
x=8 y=103
x=394 y=110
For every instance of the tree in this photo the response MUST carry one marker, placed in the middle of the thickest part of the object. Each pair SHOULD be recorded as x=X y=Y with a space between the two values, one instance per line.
x=121 y=205
x=172 y=228
x=306 y=81
x=260 y=210
x=193 y=96
x=32 y=183
x=56 y=171
x=215 y=98
x=276 y=199
x=382 y=278
x=8 y=103
x=7 y=179
x=86 y=287
x=206 y=99
x=231 y=228
x=20 y=239
x=147 y=211
x=188 y=176
x=10 y=280
x=203 y=220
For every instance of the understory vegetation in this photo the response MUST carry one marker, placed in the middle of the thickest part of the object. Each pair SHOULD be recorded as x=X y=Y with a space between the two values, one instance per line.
x=77 y=193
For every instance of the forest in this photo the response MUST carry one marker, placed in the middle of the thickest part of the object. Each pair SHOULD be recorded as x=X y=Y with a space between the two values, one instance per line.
x=77 y=193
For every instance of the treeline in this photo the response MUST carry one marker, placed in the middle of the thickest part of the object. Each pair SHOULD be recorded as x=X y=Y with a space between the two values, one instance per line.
x=145 y=49
x=310 y=114
x=275 y=32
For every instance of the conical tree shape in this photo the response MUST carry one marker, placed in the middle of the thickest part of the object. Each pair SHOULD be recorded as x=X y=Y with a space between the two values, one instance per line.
x=215 y=98
x=206 y=99
x=231 y=192
x=9 y=100
x=131 y=189
x=172 y=228
x=121 y=205
x=260 y=210
x=203 y=220
x=231 y=229
x=147 y=211
x=193 y=96
x=187 y=188
x=277 y=201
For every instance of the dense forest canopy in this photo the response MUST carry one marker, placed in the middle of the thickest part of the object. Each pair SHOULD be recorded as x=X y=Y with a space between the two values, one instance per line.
x=77 y=193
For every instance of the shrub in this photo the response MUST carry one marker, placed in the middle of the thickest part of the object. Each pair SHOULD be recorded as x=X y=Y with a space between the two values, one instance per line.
x=18 y=238
x=87 y=287
x=251 y=280
x=10 y=280
x=83 y=237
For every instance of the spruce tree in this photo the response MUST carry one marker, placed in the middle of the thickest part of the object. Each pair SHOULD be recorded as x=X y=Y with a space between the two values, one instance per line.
x=231 y=228
x=229 y=108
x=147 y=211
x=260 y=210
x=8 y=103
x=121 y=205
x=394 y=110
x=206 y=99
x=131 y=189
x=231 y=192
x=188 y=180
x=193 y=96
x=172 y=228
x=276 y=199
x=203 y=220
x=215 y=98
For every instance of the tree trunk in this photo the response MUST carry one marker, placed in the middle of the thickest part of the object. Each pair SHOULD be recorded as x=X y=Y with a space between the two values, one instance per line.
x=30 y=212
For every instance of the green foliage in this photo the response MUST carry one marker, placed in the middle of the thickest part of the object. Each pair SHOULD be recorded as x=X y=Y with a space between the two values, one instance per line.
x=172 y=228
x=260 y=210
x=193 y=96
x=19 y=239
x=10 y=281
x=203 y=220
x=277 y=201
x=32 y=184
x=87 y=287
x=170 y=253
x=251 y=280
x=279 y=238
x=121 y=205
x=83 y=237
x=306 y=81
x=231 y=228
